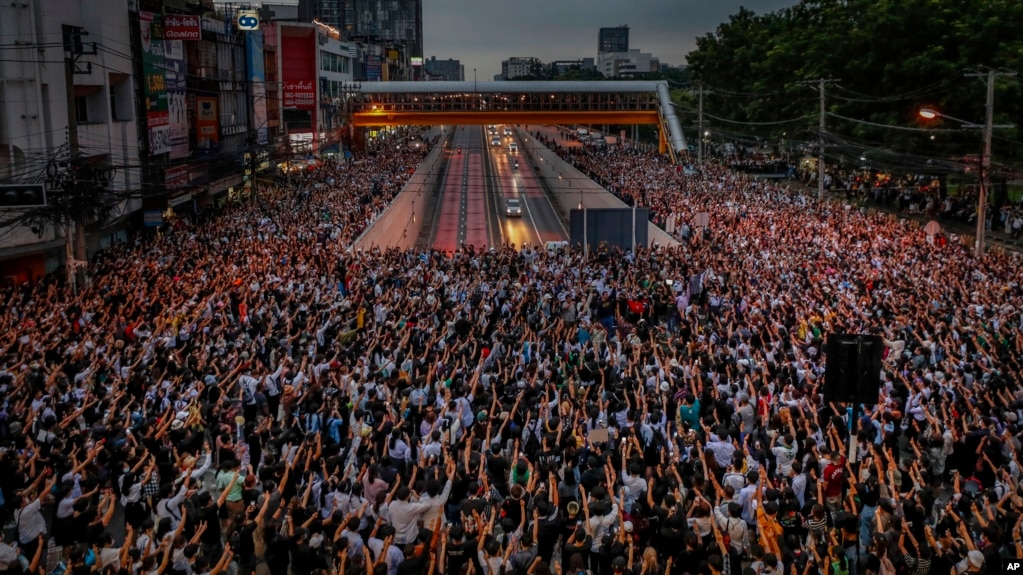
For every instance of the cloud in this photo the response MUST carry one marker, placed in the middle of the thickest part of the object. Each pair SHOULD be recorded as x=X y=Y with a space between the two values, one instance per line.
x=482 y=33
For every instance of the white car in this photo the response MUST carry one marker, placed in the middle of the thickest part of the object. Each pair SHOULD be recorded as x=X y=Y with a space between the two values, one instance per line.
x=513 y=148
x=507 y=131
x=513 y=208
x=495 y=142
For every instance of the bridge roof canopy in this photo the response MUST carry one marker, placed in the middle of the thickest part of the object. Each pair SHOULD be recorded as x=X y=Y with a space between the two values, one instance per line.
x=511 y=87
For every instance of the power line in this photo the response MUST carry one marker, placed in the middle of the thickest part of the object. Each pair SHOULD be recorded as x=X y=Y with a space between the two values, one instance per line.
x=914 y=93
x=895 y=127
x=778 y=123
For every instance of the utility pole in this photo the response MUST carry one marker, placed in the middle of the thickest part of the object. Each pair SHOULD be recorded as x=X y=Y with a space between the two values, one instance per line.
x=700 y=136
x=699 y=145
x=73 y=48
x=985 y=158
x=821 y=83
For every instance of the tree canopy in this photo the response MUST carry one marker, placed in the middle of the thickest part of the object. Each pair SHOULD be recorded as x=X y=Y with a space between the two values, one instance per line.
x=889 y=57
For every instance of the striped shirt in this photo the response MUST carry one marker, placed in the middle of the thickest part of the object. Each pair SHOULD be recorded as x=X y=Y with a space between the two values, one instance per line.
x=918 y=566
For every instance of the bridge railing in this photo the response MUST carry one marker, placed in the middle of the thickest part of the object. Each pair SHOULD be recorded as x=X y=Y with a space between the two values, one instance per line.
x=503 y=102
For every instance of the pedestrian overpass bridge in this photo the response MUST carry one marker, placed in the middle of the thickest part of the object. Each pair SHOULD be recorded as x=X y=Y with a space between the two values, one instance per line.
x=454 y=103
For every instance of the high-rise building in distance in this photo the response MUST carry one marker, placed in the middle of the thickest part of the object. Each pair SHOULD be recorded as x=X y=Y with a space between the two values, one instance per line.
x=614 y=39
x=398 y=21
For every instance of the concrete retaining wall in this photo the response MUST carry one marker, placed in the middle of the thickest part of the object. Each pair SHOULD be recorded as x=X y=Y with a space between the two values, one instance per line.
x=396 y=227
x=565 y=191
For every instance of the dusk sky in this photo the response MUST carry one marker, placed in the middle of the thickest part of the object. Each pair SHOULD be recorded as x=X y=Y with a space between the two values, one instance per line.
x=481 y=33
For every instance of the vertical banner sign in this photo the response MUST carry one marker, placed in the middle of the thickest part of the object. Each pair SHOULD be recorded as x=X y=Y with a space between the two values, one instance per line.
x=257 y=79
x=157 y=116
x=177 y=125
x=207 y=129
x=373 y=68
x=299 y=72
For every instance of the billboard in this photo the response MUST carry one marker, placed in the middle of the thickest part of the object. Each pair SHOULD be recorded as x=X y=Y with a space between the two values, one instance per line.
x=181 y=27
x=612 y=226
x=176 y=177
x=157 y=117
x=298 y=71
x=177 y=110
x=207 y=128
x=257 y=79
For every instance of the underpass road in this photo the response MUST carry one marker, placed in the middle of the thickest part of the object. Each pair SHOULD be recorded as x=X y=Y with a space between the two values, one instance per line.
x=446 y=229
x=475 y=219
x=477 y=184
x=449 y=227
x=539 y=222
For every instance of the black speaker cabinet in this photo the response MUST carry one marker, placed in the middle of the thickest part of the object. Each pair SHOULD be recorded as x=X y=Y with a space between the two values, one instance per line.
x=852 y=368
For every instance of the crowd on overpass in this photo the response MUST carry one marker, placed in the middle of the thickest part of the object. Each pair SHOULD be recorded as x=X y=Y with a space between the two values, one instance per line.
x=249 y=395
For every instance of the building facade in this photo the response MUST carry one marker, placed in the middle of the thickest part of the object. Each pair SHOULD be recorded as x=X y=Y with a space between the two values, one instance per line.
x=561 y=67
x=517 y=67
x=444 y=70
x=612 y=40
x=399 y=22
x=70 y=129
x=627 y=64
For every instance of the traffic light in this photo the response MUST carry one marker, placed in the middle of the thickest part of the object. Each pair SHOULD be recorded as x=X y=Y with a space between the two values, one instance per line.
x=22 y=196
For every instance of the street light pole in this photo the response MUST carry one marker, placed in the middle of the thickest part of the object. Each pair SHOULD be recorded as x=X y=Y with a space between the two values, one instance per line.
x=475 y=92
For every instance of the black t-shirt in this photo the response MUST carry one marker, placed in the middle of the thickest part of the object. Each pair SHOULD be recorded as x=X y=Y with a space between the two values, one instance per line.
x=211 y=515
x=547 y=535
x=459 y=554
x=471 y=504
x=302 y=558
x=246 y=547
x=582 y=548
x=941 y=565
x=512 y=509
x=278 y=552
x=688 y=561
x=868 y=497
x=413 y=565
x=459 y=489
x=606 y=555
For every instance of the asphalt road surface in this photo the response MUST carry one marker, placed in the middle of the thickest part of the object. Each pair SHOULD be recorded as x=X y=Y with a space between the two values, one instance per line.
x=481 y=176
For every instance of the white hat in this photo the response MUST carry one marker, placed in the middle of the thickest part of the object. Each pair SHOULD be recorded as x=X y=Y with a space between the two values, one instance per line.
x=976 y=558
x=627 y=526
x=665 y=386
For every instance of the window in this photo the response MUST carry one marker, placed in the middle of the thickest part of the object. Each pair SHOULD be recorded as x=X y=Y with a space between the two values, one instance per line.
x=82 y=109
x=120 y=99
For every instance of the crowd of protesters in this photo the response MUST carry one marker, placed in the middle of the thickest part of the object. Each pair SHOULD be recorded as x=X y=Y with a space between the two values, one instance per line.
x=250 y=395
